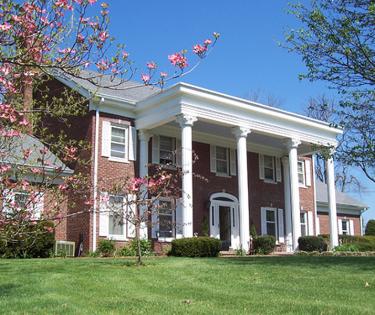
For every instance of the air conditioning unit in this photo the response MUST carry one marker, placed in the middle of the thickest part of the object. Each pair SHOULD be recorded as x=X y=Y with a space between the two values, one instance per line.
x=65 y=248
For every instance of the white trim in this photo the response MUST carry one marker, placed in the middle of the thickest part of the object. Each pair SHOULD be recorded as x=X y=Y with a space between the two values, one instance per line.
x=95 y=177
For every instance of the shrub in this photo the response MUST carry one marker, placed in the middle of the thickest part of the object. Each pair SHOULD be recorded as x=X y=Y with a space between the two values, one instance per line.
x=196 y=247
x=36 y=241
x=106 y=248
x=131 y=249
x=312 y=243
x=370 y=228
x=264 y=245
x=364 y=243
x=347 y=248
x=253 y=231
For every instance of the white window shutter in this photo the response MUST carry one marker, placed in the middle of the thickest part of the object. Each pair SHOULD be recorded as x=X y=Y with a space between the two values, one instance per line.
x=178 y=153
x=351 y=227
x=38 y=206
x=233 y=165
x=261 y=166
x=132 y=144
x=103 y=215
x=340 y=226
x=317 y=222
x=212 y=158
x=156 y=149
x=310 y=224
x=278 y=169
x=280 y=222
x=179 y=219
x=131 y=208
x=263 y=221
x=308 y=172
x=155 y=220
x=106 y=138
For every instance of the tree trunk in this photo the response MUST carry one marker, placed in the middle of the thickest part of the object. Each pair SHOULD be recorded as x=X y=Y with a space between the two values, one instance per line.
x=139 y=252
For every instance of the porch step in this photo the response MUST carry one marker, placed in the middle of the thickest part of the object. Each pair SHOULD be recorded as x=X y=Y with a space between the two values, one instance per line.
x=227 y=253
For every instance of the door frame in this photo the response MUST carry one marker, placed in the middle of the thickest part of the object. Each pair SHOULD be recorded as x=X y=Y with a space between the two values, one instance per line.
x=225 y=200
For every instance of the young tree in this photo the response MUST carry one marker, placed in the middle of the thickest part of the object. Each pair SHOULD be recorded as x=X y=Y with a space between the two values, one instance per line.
x=370 y=228
x=337 y=44
x=40 y=39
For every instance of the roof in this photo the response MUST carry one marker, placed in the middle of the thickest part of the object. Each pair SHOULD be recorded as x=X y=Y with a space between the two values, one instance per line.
x=341 y=198
x=112 y=87
x=17 y=146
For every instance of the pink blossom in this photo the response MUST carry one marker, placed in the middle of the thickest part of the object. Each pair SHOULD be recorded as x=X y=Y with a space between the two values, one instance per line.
x=4 y=168
x=199 y=49
x=163 y=74
x=104 y=198
x=103 y=36
x=207 y=42
x=27 y=153
x=35 y=170
x=125 y=55
x=23 y=122
x=80 y=38
x=178 y=60
x=92 y=1
x=5 y=27
x=63 y=187
x=145 y=78
x=151 y=65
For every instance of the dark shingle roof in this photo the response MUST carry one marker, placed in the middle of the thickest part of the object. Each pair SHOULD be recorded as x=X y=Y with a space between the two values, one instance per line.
x=341 y=198
x=114 y=87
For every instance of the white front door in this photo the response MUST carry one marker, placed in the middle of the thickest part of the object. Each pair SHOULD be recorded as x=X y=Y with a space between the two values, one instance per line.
x=224 y=220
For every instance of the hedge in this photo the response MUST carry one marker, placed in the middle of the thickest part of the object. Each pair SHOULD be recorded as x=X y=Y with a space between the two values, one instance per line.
x=312 y=244
x=196 y=247
x=35 y=241
x=264 y=245
x=370 y=228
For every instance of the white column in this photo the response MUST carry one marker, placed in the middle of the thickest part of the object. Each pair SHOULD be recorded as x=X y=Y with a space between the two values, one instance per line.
x=334 y=241
x=243 y=189
x=292 y=145
x=144 y=138
x=186 y=122
x=288 y=210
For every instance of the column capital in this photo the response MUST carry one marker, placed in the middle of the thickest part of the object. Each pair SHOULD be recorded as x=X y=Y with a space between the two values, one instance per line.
x=292 y=143
x=240 y=132
x=186 y=120
x=144 y=135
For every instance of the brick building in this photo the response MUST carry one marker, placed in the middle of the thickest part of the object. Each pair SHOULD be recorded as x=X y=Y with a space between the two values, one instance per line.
x=257 y=160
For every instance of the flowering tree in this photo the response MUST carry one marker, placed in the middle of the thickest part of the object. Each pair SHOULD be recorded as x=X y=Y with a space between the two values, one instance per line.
x=39 y=40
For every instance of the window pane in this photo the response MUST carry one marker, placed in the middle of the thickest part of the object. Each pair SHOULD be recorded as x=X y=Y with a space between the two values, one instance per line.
x=166 y=143
x=21 y=200
x=270 y=216
x=300 y=167
x=303 y=229
x=118 y=135
x=116 y=225
x=271 y=229
x=268 y=173
x=301 y=179
x=268 y=161
x=222 y=167
x=166 y=157
x=221 y=153
x=303 y=218
x=118 y=150
x=165 y=226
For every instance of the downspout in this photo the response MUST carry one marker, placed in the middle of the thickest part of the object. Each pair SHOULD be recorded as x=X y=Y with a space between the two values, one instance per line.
x=315 y=203
x=96 y=162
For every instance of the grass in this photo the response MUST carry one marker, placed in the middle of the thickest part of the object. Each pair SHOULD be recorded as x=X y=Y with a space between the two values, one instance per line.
x=251 y=285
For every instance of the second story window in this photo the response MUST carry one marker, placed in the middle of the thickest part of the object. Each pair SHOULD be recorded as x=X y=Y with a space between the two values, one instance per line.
x=167 y=150
x=222 y=161
x=269 y=168
x=118 y=142
x=301 y=173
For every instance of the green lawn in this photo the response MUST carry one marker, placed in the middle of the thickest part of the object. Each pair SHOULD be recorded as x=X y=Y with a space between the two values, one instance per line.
x=255 y=285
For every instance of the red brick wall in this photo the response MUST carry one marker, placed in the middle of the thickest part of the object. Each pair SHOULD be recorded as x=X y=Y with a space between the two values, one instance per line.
x=324 y=222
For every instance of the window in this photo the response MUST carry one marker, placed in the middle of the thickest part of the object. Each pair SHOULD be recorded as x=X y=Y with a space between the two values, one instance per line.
x=301 y=173
x=21 y=200
x=166 y=218
x=167 y=150
x=269 y=168
x=118 y=142
x=303 y=219
x=345 y=227
x=271 y=222
x=222 y=161
x=116 y=215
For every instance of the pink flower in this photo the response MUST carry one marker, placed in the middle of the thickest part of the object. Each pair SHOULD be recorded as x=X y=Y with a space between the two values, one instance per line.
x=4 y=168
x=199 y=49
x=63 y=187
x=163 y=74
x=23 y=122
x=5 y=27
x=35 y=170
x=125 y=55
x=178 y=60
x=80 y=38
x=27 y=153
x=103 y=36
x=151 y=65
x=207 y=42
x=145 y=78
x=92 y=1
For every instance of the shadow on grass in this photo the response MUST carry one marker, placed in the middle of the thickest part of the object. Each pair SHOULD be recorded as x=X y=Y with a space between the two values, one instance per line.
x=7 y=289
x=363 y=263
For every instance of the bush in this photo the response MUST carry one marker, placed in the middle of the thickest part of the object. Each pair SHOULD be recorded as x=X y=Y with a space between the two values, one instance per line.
x=364 y=243
x=131 y=249
x=106 y=248
x=347 y=248
x=264 y=245
x=196 y=247
x=35 y=241
x=312 y=243
x=370 y=228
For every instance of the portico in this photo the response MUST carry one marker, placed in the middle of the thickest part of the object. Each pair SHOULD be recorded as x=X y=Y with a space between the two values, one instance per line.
x=192 y=114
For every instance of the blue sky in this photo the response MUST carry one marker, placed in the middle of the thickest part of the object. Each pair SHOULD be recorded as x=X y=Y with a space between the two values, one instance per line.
x=247 y=57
